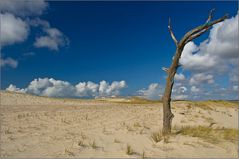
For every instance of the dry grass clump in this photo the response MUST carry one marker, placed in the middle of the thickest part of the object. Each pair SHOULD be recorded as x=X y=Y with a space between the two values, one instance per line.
x=93 y=145
x=143 y=155
x=209 y=134
x=8 y=131
x=69 y=152
x=230 y=134
x=137 y=124
x=81 y=143
x=129 y=150
x=116 y=141
x=156 y=136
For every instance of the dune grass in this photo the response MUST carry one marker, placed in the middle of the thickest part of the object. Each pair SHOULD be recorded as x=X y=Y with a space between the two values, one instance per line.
x=139 y=100
x=130 y=100
x=210 y=104
x=209 y=134
x=93 y=145
x=129 y=150
x=156 y=136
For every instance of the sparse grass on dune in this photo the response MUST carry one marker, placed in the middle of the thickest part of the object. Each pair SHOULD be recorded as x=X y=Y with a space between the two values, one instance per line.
x=216 y=103
x=199 y=104
x=131 y=100
x=115 y=128
x=211 y=104
x=209 y=134
x=138 y=100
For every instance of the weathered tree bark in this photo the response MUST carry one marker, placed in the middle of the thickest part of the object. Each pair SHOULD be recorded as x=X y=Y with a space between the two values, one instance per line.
x=189 y=36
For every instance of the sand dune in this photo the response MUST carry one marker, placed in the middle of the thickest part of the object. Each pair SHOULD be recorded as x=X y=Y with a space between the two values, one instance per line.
x=41 y=127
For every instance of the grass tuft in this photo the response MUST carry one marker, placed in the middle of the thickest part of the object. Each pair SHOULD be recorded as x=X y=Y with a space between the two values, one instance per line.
x=156 y=136
x=68 y=152
x=129 y=150
x=116 y=141
x=81 y=143
x=143 y=155
x=93 y=144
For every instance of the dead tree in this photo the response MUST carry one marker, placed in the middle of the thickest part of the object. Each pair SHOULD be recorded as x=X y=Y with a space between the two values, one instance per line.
x=171 y=71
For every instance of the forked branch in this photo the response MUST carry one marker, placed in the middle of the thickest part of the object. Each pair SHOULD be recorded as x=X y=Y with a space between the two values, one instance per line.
x=196 y=32
x=171 y=32
x=210 y=15
x=196 y=35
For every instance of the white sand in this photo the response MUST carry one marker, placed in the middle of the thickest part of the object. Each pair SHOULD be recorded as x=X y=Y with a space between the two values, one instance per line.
x=43 y=127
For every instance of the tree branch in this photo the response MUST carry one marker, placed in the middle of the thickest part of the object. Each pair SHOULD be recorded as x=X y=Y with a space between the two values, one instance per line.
x=199 y=30
x=171 y=32
x=197 y=35
x=210 y=15
x=165 y=69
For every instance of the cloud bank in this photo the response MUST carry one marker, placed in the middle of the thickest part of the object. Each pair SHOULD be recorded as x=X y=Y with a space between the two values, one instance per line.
x=58 y=88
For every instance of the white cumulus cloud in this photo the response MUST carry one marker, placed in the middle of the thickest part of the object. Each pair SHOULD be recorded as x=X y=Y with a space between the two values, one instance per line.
x=154 y=91
x=217 y=52
x=194 y=89
x=58 y=88
x=85 y=89
x=179 y=77
x=13 y=88
x=23 y=7
x=180 y=97
x=106 y=89
x=8 y=62
x=13 y=29
x=201 y=78
x=235 y=88
x=53 y=39
x=18 y=16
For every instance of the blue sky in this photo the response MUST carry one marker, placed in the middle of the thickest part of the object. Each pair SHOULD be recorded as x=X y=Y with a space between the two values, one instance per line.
x=115 y=41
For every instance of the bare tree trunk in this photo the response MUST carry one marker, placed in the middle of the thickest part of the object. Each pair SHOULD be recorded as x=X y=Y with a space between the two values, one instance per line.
x=167 y=113
x=189 y=36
